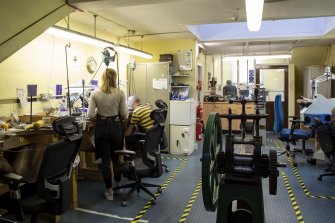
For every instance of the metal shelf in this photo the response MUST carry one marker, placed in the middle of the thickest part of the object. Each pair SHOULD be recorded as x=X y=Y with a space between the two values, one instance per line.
x=186 y=75
x=180 y=86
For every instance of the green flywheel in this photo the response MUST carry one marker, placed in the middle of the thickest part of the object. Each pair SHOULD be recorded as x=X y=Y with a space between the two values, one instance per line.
x=211 y=147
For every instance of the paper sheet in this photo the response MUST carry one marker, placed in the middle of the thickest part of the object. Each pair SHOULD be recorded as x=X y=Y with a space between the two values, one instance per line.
x=160 y=83
x=21 y=94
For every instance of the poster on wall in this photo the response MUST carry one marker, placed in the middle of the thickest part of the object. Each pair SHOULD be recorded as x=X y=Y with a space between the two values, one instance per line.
x=21 y=94
x=251 y=76
x=185 y=59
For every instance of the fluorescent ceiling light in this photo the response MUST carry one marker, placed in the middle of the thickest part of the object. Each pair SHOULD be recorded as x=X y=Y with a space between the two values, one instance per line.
x=83 y=38
x=257 y=57
x=254 y=9
x=133 y=51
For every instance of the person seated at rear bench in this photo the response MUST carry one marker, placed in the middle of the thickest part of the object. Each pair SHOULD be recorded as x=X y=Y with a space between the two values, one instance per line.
x=229 y=90
x=139 y=121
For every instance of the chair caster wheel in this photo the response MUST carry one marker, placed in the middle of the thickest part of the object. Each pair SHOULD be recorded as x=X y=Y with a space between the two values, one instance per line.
x=319 y=178
x=159 y=190
x=167 y=170
x=311 y=161
x=124 y=202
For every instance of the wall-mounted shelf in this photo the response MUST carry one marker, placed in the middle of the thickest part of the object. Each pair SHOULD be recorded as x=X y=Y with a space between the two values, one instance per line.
x=180 y=75
x=11 y=100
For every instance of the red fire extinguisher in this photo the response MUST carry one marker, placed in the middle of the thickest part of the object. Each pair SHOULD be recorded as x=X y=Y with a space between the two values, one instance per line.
x=199 y=123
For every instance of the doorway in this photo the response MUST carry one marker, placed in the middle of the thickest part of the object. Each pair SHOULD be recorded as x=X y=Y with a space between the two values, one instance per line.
x=275 y=79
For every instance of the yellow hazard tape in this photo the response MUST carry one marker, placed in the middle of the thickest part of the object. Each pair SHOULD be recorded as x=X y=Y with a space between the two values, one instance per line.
x=191 y=202
x=297 y=175
x=173 y=158
x=292 y=198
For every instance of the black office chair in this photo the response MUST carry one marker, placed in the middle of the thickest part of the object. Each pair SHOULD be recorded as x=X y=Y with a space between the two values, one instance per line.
x=159 y=116
x=50 y=193
x=148 y=165
x=326 y=137
x=289 y=135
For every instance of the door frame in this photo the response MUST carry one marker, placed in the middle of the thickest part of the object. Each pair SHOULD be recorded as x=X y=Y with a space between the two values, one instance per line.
x=286 y=85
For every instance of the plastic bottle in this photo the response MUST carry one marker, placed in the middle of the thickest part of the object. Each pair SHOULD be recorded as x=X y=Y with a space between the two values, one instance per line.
x=62 y=108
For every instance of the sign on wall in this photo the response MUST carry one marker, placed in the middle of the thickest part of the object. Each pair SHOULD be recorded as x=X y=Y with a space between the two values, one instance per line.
x=185 y=59
x=251 y=76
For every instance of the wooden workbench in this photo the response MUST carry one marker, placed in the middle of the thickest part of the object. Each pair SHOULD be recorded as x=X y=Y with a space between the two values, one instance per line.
x=223 y=108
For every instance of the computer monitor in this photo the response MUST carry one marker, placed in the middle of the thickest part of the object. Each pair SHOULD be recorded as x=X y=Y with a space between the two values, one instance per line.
x=244 y=93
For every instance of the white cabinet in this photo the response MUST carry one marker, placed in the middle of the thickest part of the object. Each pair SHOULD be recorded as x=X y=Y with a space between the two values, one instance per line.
x=182 y=112
x=182 y=139
x=182 y=127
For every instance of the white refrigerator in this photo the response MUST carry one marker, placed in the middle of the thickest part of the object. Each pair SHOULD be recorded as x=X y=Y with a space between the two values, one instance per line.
x=182 y=127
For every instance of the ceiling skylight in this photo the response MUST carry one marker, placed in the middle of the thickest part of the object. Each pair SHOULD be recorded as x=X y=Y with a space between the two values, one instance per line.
x=287 y=28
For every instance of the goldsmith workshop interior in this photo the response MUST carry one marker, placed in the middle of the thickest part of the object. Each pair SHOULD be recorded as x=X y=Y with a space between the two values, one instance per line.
x=167 y=111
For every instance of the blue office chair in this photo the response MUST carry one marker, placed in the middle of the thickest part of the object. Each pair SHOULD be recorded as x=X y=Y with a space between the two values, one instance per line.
x=289 y=135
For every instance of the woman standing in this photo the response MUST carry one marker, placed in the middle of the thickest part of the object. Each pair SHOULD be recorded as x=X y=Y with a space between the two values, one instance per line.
x=108 y=105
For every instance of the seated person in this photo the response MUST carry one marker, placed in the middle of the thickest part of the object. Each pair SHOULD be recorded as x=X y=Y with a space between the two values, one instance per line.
x=230 y=90
x=139 y=120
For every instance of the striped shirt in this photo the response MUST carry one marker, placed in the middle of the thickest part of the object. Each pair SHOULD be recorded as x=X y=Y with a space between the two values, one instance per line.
x=141 y=116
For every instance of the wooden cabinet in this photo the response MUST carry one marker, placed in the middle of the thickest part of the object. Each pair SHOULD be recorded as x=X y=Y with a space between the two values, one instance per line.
x=223 y=108
x=234 y=110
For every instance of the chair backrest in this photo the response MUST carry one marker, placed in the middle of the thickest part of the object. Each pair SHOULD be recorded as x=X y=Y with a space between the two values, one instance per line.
x=162 y=107
x=55 y=170
x=159 y=116
x=326 y=138
x=161 y=104
x=279 y=115
x=150 y=151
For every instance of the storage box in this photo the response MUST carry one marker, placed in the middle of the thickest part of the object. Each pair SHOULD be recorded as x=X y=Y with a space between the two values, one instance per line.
x=165 y=58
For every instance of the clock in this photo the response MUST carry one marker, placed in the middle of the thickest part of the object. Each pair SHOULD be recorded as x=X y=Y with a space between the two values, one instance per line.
x=91 y=65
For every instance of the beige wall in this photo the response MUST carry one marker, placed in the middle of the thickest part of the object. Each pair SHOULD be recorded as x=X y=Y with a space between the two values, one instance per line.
x=209 y=73
x=206 y=62
x=330 y=56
